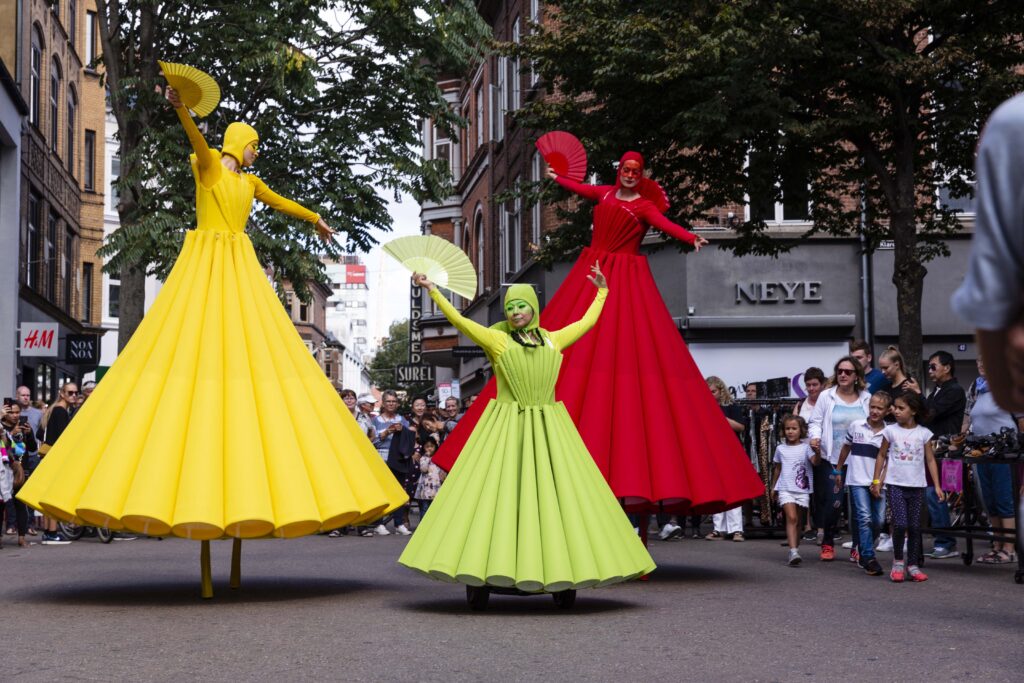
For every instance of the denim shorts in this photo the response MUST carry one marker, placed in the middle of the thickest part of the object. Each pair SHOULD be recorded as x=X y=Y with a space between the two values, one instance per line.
x=996 y=482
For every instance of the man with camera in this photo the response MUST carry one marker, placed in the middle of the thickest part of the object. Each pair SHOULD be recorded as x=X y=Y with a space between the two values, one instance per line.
x=17 y=441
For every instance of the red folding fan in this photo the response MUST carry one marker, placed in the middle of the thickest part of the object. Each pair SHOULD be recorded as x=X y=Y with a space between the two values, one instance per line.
x=564 y=154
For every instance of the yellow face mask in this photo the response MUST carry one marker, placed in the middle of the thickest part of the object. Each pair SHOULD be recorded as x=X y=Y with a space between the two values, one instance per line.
x=237 y=137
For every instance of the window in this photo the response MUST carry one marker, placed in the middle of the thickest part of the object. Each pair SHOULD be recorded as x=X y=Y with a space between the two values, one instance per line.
x=35 y=229
x=534 y=19
x=779 y=195
x=50 y=257
x=506 y=241
x=303 y=312
x=55 y=79
x=89 y=151
x=71 y=134
x=963 y=205
x=90 y=39
x=114 y=300
x=72 y=20
x=115 y=175
x=535 y=209
x=515 y=225
x=36 y=77
x=479 y=101
x=86 y=307
x=499 y=98
x=479 y=251
x=329 y=369
x=56 y=8
x=67 y=270
x=513 y=102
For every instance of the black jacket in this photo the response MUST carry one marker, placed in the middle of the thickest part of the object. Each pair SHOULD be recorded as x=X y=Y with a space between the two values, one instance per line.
x=403 y=445
x=946 y=405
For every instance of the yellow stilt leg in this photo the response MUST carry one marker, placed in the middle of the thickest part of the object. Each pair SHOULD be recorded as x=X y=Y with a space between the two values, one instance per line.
x=236 y=563
x=204 y=563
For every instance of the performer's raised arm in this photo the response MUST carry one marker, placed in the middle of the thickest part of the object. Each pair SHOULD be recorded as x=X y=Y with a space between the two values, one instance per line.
x=205 y=159
x=491 y=341
x=591 y=192
x=568 y=335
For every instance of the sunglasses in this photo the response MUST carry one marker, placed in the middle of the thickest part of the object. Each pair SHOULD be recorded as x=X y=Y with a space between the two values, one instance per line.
x=933 y=367
x=845 y=371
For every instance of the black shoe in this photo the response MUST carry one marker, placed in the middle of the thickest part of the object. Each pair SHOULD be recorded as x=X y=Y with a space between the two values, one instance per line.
x=872 y=568
x=810 y=536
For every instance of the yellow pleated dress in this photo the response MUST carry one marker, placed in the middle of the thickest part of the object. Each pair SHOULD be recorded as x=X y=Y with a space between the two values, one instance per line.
x=215 y=421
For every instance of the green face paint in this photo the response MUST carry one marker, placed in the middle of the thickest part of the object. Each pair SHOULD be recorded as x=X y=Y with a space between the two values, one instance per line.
x=518 y=307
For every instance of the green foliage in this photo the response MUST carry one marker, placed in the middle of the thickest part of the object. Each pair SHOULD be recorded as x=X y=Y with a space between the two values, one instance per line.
x=850 y=90
x=335 y=89
x=394 y=352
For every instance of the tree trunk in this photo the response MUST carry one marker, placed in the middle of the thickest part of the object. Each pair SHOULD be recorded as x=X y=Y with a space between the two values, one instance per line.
x=132 y=304
x=908 y=277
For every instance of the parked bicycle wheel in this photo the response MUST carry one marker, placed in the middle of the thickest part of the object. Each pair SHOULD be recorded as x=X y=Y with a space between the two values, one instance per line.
x=105 y=535
x=70 y=531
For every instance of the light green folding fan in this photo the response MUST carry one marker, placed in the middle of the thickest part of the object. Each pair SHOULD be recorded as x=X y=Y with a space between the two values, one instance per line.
x=444 y=263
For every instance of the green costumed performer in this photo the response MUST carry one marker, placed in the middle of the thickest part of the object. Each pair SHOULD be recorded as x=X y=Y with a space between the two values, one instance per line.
x=525 y=506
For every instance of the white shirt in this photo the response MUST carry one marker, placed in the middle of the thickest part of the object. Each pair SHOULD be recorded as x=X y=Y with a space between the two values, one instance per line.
x=796 y=475
x=806 y=410
x=820 y=425
x=864 y=443
x=906 y=455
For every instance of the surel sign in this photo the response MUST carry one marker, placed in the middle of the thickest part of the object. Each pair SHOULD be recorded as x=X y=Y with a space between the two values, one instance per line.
x=778 y=292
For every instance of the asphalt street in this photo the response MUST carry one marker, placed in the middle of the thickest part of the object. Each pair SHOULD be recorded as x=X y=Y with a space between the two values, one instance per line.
x=319 y=608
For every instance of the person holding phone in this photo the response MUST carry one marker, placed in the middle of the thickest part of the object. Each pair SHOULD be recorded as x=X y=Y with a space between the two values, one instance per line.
x=16 y=441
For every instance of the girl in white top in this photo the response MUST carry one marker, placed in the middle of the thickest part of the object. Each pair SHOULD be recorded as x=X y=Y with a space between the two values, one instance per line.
x=792 y=478
x=906 y=451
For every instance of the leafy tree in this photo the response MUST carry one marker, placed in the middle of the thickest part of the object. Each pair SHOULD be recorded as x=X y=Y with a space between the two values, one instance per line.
x=336 y=90
x=394 y=352
x=875 y=99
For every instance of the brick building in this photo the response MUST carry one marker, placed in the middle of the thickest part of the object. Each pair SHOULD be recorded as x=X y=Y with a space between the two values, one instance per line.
x=49 y=45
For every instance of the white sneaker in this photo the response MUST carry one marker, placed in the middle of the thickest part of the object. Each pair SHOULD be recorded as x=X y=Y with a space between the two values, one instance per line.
x=794 y=557
x=382 y=530
x=668 y=531
x=884 y=543
x=403 y=530
x=848 y=545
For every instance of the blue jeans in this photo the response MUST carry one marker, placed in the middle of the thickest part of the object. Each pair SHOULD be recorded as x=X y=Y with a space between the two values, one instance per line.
x=938 y=514
x=869 y=513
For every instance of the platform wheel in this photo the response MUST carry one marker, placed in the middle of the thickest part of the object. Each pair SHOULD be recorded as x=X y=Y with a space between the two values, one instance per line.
x=564 y=599
x=105 y=535
x=1019 y=577
x=967 y=558
x=477 y=597
x=70 y=531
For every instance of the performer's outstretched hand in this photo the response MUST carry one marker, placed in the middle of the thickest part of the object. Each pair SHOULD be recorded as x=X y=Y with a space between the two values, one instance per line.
x=423 y=281
x=172 y=96
x=598 y=277
x=699 y=242
x=550 y=173
x=323 y=230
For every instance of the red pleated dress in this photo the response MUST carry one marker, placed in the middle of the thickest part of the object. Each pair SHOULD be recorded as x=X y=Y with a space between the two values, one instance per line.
x=631 y=386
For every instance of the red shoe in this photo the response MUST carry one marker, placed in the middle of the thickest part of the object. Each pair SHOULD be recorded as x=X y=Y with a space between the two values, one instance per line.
x=854 y=556
x=896 y=575
x=916 y=575
x=828 y=553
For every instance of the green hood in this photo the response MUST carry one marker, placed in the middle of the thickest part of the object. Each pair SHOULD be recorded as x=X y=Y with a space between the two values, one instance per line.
x=524 y=293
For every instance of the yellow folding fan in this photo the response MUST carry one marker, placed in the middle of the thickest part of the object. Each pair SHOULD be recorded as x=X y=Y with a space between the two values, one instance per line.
x=444 y=263
x=197 y=89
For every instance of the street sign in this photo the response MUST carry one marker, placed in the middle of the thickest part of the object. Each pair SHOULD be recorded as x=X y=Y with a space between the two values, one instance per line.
x=414 y=374
x=38 y=339
x=467 y=352
x=83 y=349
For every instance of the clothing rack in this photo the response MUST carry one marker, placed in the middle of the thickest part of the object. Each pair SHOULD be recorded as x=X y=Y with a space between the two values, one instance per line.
x=763 y=417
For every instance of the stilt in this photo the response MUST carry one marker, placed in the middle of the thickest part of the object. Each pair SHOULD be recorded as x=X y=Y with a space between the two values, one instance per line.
x=204 y=563
x=236 y=563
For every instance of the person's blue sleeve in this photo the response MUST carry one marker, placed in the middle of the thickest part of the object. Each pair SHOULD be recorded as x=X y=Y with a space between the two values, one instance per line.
x=990 y=296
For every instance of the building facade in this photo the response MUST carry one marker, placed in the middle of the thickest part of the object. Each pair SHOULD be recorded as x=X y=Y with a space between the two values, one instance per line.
x=745 y=319
x=60 y=206
x=348 y=321
x=13 y=110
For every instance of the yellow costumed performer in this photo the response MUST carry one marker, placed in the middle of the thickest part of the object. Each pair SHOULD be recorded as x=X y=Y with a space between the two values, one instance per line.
x=215 y=421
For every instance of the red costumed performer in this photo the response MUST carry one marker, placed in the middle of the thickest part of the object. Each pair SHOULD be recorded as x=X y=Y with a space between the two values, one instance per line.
x=640 y=402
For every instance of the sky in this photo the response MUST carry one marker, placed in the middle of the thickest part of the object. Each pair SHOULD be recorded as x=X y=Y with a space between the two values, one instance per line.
x=388 y=282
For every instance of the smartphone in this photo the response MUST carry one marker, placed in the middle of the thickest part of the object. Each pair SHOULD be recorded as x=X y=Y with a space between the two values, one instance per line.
x=8 y=401
x=23 y=420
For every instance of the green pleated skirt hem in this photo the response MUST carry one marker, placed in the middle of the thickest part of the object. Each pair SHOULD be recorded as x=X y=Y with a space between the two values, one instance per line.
x=526 y=507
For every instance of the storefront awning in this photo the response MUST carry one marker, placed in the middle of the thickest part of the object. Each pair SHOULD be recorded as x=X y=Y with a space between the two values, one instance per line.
x=718 y=322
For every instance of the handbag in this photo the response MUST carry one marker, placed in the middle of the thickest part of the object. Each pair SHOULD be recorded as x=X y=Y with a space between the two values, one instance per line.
x=952 y=476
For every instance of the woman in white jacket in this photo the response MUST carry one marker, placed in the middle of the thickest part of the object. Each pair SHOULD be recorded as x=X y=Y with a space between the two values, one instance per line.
x=845 y=402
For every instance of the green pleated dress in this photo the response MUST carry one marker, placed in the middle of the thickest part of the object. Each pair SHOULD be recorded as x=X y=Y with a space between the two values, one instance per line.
x=525 y=505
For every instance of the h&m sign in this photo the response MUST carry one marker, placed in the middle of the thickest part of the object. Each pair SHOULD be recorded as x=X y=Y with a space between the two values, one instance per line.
x=807 y=291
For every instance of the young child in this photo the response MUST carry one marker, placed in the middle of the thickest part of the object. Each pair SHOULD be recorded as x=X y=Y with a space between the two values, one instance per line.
x=431 y=476
x=863 y=441
x=905 y=452
x=792 y=484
